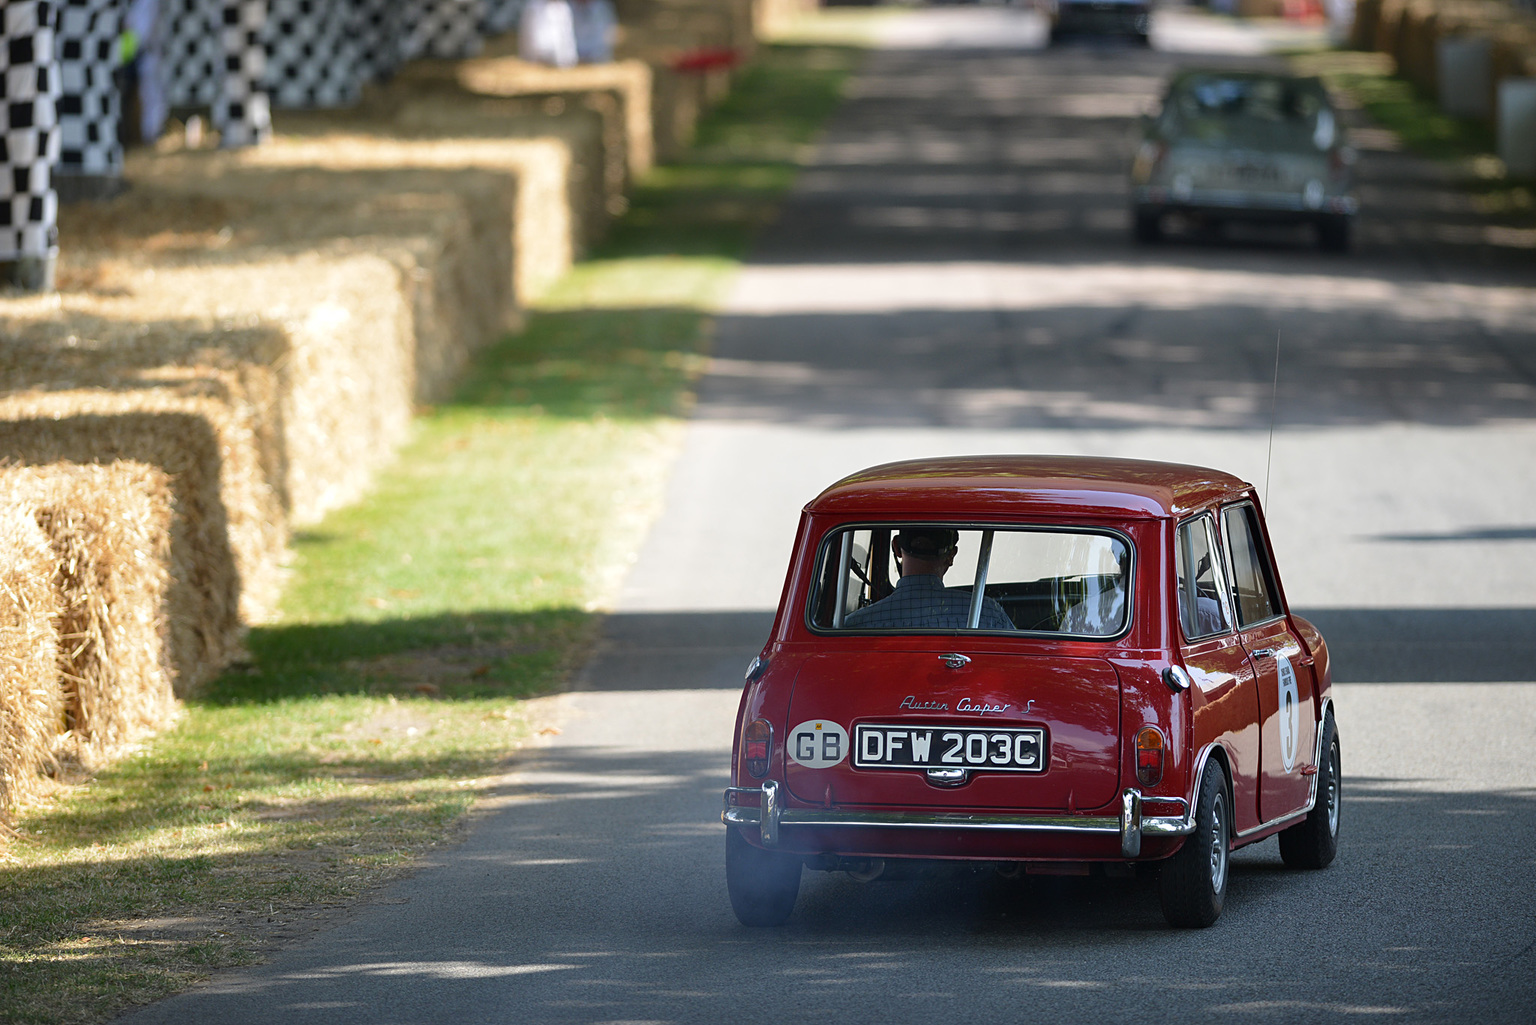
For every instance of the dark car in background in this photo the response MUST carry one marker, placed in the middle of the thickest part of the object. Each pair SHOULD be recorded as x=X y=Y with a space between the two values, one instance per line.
x=1131 y=18
x=1248 y=146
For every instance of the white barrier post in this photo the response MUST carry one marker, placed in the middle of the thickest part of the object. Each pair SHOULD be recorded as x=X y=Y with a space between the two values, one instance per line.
x=1517 y=125
x=1466 y=75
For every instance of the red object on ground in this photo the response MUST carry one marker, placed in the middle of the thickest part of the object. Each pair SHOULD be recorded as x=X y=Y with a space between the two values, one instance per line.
x=706 y=58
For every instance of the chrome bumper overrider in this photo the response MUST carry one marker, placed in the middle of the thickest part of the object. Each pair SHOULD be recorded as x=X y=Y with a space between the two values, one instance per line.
x=771 y=817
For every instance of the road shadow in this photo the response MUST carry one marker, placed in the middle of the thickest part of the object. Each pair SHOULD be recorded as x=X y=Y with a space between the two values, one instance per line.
x=565 y=855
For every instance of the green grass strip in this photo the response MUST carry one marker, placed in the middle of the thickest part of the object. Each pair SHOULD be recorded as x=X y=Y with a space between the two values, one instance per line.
x=372 y=713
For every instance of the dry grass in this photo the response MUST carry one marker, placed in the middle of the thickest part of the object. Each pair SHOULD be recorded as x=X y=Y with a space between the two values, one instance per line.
x=31 y=704
x=109 y=530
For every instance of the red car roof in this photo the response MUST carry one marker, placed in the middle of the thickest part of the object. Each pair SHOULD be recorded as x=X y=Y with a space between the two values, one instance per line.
x=962 y=487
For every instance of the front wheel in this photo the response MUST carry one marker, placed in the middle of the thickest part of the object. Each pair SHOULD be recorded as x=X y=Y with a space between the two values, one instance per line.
x=763 y=884
x=1194 y=881
x=1313 y=842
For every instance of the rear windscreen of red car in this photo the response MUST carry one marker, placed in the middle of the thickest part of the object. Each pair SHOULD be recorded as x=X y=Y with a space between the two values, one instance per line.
x=906 y=578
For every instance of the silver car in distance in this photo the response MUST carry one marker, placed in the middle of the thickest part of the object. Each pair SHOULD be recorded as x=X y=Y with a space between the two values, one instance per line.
x=1238 y=145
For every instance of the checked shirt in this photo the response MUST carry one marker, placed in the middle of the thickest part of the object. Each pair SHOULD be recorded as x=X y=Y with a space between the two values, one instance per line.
x=922 y=602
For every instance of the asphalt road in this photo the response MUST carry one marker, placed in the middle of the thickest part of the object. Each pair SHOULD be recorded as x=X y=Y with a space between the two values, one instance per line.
x=954 y=275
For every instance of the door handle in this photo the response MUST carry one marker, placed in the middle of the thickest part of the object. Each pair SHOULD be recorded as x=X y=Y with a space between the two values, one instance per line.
x=1263 y=653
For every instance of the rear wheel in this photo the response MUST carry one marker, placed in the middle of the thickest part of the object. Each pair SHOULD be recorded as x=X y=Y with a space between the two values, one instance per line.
x=763 y=884
x=1194 y=881
x=1313 y=842
x=1149 y=226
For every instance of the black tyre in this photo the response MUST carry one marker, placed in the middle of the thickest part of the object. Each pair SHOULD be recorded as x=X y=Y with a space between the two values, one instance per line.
x=1148 y=226
x=1194 y=881
x=1333 y=234
x=1314 y=841
x=763 y=884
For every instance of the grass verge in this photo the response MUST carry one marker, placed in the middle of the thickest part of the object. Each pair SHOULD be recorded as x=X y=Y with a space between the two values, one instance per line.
x=1395 y=104
x=374 y=711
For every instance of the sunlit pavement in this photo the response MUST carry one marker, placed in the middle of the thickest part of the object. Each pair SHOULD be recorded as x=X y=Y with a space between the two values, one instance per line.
x=954 y=275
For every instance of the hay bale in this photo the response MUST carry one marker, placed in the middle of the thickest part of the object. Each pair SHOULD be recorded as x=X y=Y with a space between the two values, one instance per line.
x=109 y=529
x=497 y=74
x=1362 y=31
x=200 y=423
x=534 y=179
x=373 y=290
x=31 y=703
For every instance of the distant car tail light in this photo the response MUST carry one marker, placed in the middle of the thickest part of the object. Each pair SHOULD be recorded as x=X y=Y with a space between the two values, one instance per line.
x=1149 y=756
x=1148 y=158
x=758 y=741
x=1338 y=163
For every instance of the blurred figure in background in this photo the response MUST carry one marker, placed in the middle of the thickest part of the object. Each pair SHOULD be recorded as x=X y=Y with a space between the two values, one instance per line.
x=140 y=77
x=595 y=23
x=546 y=33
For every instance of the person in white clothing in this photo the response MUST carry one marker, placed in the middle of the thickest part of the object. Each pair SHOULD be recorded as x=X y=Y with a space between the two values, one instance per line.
x=546 y=33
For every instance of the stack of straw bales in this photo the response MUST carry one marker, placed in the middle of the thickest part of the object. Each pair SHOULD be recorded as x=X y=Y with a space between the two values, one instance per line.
x=239 y=343
x=83 y=608
x=621 y=93
x=87 y=389
x=665 y=34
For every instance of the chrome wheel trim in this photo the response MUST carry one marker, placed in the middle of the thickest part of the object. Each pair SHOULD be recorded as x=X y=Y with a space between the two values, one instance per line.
x=1218 y=848
x=1333 y=790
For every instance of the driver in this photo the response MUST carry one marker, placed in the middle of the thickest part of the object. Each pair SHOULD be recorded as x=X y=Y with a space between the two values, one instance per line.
x=920 y=600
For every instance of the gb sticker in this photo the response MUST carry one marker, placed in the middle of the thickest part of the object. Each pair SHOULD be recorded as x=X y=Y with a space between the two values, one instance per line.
x=1290 y=712
x=818 y=744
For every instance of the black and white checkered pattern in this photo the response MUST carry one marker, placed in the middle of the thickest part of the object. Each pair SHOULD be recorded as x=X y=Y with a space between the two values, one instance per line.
x=29 y=207
x=501 y=16
x=441 y=28
x=314 y=53
x=376 y=25
x=88 y=102
x=242 y=112
x=193 y=53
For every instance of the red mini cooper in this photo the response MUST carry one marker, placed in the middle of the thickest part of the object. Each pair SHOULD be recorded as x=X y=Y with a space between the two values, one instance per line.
x=1042 y=662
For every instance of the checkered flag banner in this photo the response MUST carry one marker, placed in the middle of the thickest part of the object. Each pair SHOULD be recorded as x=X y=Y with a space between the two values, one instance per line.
x=29 y=207
x=193 y=36
x=242 y=111
x=88 y=102
x=441 y=28
x=501 y=16
x=314 y=53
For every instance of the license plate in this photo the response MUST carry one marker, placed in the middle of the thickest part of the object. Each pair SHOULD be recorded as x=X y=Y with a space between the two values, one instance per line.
x=1003 y=749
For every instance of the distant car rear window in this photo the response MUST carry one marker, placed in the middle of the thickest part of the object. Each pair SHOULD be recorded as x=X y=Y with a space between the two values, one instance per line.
x=923 y=578
x=1215 y=108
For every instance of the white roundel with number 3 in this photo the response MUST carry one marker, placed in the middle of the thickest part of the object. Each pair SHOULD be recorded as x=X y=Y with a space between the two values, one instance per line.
x=817 y=744
x=1290 y=712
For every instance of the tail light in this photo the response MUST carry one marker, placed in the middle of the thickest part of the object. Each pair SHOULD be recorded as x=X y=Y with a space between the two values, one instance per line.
x=758 y=743
x=1148 y=158
x=1149 y=756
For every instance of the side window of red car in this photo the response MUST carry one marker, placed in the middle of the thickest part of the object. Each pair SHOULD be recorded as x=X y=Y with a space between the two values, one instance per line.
x=1201 y=610
x=1253 y=584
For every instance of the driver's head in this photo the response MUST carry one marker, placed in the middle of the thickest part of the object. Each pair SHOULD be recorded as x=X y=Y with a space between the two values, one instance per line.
x=925 y=549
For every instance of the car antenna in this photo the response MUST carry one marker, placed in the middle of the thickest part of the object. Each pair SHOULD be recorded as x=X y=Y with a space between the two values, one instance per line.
x=1274 y=402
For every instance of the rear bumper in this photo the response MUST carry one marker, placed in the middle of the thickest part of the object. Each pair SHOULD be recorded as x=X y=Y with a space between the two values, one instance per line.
x=1288 y=206
x=772 y=819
